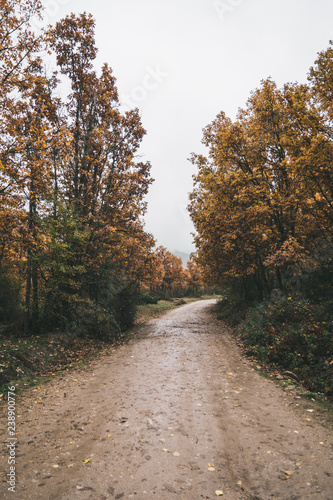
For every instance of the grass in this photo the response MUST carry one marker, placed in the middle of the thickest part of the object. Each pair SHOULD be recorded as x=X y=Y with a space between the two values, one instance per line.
x=211 y=296
x=146 y=312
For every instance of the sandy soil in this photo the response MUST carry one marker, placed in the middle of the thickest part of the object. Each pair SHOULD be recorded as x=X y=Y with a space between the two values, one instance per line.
x=177 y=413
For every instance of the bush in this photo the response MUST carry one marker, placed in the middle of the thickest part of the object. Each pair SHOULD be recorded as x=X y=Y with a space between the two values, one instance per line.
x=231 y=310
x=124 y=308
x=92 y=320
x=148 y=299
x=179 y=302
x=10 y=299
x=294 y=335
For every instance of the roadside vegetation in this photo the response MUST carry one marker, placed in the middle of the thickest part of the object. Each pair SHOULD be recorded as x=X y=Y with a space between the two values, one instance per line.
x=292 y=334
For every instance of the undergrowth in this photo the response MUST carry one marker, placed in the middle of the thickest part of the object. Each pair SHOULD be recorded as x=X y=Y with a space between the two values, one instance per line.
x=293 y=334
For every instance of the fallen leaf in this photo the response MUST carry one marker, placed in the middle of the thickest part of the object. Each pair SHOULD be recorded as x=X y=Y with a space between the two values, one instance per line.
x=310 y=411
x=165 y=449
x=239 y=483
x=308 y=419
x=211 y=469
x=86 y=461
x=219 y=493
x=288 y=472
x=109 y=435
x=55 y=466
x=210 y=465
x=176 y=454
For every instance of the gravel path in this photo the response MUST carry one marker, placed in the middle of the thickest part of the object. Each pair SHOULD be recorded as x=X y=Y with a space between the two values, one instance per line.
x=177 y=413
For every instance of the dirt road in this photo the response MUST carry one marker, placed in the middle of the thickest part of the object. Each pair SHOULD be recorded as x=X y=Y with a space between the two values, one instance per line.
x=177 y=413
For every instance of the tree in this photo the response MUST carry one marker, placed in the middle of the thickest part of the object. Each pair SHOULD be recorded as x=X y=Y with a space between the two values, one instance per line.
x=18 y=53
x=194 y=279
x=18 y=44
x=172 y=276
x=262 y=203
x=101 y=181
x=71 y=188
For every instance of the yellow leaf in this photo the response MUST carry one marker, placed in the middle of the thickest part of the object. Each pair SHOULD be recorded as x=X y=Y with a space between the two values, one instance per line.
x=86 y=461
x=211 y=469
x=289 y=472
x=219 y=493
x=210 y=465
x=109 y=435
x=176 y=454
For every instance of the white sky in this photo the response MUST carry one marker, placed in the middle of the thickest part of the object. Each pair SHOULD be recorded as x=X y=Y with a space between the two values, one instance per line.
x=181 y=62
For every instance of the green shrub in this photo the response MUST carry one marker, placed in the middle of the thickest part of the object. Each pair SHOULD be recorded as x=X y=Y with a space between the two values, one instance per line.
x=231 y=309
x=124 y=308
x=10 y=299
x=92 y=320
x=148 y=299
x=294 y=335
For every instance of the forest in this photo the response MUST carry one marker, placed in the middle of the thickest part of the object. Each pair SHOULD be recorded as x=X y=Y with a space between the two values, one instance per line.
x=74 y=254
x=262 y=206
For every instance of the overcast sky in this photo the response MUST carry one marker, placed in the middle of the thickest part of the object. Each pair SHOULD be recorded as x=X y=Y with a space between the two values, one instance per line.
x=181 y=62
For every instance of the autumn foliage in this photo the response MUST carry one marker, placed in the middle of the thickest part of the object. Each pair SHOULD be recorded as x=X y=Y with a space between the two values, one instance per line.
x=168 y=277
x=262 y=204
x=73 y=251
